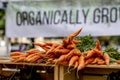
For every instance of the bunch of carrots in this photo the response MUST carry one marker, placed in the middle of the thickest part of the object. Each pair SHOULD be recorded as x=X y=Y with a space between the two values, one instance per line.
x=65 y=53
x=31 y=56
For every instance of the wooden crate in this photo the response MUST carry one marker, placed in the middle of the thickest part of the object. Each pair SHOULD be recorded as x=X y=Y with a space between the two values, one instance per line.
x=6 y=64
x=90 y=72
x=60 y=72
x=65 y=75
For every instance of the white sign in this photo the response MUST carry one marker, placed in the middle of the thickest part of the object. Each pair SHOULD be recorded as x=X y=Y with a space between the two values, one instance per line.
x=60 y=18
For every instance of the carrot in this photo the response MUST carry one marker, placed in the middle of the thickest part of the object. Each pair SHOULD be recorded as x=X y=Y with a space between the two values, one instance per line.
x=59 y=52
x=96 y=60
x=20 y=59
x=66 y=56
x=17 y=56
x=39 y=44
x=89 y=54
x=29 y=56
x=39 y=60
x=118 y=61
x=65 y=62
x=41 y=54
x=76 y=41
x=106 y=57
x=81 y=64
x=73 y=60
x=33 y=50
x=33 y=59
x=65 y=42
x=89 y=61
x=15 y=53
x=59 y=47
x=99 y=53
x=98 y=45
x=76 y=64
x=101 y=62
x=48 y=43
x=77 y=52
x=52 y=48
x=70 y=54
x=73 y=52
x=43 y=46
x=70 y=37
x=60 y=59
x=71 y=46
x=50 y=59
x=46 y=48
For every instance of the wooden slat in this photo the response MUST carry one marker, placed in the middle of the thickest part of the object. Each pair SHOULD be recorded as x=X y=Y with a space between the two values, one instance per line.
x=7 y=61
x=112 y=66
x=99 y=70
x=65 y=75
x=11 y=65
x=61 y=72
x=56 y=72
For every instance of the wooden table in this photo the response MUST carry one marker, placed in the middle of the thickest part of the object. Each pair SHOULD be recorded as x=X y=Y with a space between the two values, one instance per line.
x=60 y=71
x=6 y=63
x=89 y=70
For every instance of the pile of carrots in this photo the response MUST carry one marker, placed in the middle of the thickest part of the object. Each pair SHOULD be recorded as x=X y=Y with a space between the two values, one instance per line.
x=31 y=56
x=65 y=53
x=96 y=56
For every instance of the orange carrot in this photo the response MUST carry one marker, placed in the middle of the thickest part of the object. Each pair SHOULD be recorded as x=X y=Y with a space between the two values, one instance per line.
x=76 y=64
x=66 y=56
x=89 y=61
x=17 y=56
x=33 y=50
x=70 y=37
x=73 y=52
x=77 y=52
x=60 y=59
x=50 y=59
x=15 y=53
x=73 y=60
x=59 y=52
x=29 y=56
x=99 y=53
x=52 y=48
x=89 y=54
x=101 y=62
x=76 y=41
x=81 y=63
x=43 y=46
x=46 y=48
x=40 y=52
x=70 y=54
x=48 y=43
x=20 y=59
x=65 y=42
x=106 y=57
x=96 y=60
x=98 y=46
x=118 y=61
x=39 y=60
x=71 y=46
x=64 y=62
x=33 y=59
